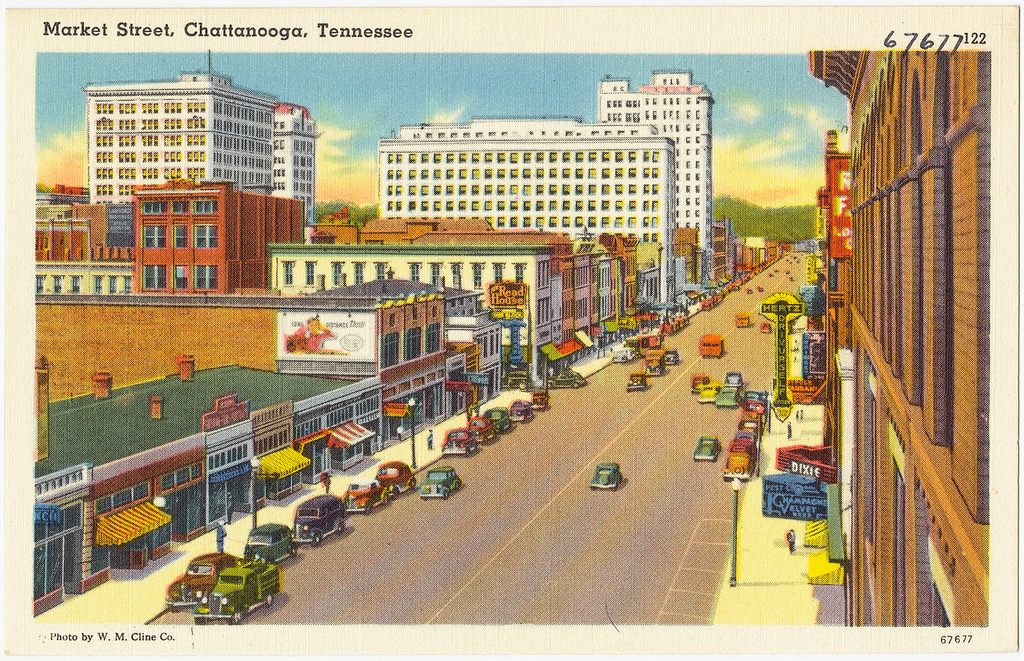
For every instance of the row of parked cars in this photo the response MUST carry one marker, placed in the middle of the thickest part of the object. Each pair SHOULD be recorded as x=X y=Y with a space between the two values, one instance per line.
x=744 y=449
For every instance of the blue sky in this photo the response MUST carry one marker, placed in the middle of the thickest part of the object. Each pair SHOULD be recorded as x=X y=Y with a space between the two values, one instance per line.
x=769 y=115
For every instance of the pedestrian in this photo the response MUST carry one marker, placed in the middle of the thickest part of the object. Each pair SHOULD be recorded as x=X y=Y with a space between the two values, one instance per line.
x=325 y=479
x=789 y=430
x=221 y=536
x=231 y=508
x=791 y=540
x=430 y=439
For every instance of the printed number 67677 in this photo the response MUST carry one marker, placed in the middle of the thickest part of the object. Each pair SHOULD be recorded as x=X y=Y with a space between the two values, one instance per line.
x=946 y=640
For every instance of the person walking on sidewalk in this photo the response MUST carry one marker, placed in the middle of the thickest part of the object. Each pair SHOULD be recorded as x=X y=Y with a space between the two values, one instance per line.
x=325 y=479
x=789 y=430
x=791 y=540
x=430 y=439
x=221 y=536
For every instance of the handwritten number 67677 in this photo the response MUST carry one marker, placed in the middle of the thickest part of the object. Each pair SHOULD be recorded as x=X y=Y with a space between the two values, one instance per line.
x=928 y=43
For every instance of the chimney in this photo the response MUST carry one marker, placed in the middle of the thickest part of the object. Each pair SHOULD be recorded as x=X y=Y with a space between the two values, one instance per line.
x=186 y=366
x=101 y=384
x=156 y=407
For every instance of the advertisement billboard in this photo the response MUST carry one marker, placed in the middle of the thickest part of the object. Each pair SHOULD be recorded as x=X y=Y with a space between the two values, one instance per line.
x=790 y=496
x=120 y=225
x=336 y=336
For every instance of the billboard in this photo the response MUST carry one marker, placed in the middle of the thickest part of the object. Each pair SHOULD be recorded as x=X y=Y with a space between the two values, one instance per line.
x=120 y=225
x=336 y=336
x=790 y=496
x=814 y=355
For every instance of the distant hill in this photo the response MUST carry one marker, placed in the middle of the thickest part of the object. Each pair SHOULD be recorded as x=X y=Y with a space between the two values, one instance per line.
x=780 y=223
x=358 y=213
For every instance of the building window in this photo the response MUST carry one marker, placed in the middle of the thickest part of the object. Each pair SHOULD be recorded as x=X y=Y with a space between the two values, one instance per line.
x=154 y=276
x=381 y=269
x=478 y=276
x=432 y=341
x=97 y=284
x=39 y=284
x=457 y=276
x=180 y=277
x=206 y=236
x=204 y=207
x=180 y=236
x=389 y=350
x=414 y=272
x=499 y=271
x=336 y=273
x=413 y=343
x=435 y=274
x=520 y=272
x=178 y=207
x=154 y=236
x=153 y=208
x=359 y=267
x=76 y=284
x=310 y=273
x=206 y=277
x=58 y=284
x=289 y=273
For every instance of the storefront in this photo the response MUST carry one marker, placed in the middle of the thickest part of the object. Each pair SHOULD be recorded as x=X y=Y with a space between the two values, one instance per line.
x=229 y=453
x=347 y=444
x=56 y=560
x=184 y=493
x=133 y=536
x=280 y=472
x=230 y=487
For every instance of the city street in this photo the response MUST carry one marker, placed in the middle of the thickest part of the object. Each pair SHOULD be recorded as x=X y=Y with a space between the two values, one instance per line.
x=526 y=540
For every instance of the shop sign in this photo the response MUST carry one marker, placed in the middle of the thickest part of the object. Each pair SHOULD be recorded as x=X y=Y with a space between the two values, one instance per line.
x=840 y=233
x=396 y=409
x=508 y=294
x=807 y=460
x=47 y=514
x=226 y=410
x=458 y=386
x=781 y=308
x=814 y=355
x=478 y=378
x=508 y=313
x=120 y=225
x=796 y=497
x=812 y=269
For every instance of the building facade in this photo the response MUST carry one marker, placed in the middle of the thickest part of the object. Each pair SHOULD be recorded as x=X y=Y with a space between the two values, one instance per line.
x=914 y=290
x=295 y=157
x=548 y=174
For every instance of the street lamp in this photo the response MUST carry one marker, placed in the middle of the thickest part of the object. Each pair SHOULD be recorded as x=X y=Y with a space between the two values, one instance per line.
x=412 y=412
x=735 y=527
x=160 y=502
x=255 y=463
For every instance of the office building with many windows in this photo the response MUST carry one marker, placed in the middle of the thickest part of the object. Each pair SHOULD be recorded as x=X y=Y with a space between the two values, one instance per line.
x=295 y=156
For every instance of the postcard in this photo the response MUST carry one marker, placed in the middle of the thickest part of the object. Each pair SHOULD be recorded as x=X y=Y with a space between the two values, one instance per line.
x=512 y=330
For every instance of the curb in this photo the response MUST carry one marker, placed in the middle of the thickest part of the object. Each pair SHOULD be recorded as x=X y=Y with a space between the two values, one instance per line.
x=165 y=611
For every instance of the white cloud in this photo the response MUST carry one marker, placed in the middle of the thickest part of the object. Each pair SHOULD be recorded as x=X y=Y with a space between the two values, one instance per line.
x=813 y=118
x=447 y=116
x=746 y=111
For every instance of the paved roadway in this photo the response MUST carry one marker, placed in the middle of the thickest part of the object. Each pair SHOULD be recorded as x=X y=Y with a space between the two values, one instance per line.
x=526 y=540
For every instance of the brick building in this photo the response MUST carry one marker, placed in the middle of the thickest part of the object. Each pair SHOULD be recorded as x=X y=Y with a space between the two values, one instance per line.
x=916 y=302
x=207 y=237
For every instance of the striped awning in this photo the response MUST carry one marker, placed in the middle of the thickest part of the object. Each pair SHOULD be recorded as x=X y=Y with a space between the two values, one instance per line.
x=281 y=464
x=347 y=434
x=132 y=523
x=584 y=338
x=551 y=351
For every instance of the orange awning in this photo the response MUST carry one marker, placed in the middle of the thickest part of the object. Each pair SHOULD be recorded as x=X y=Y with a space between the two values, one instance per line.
x=347 y=434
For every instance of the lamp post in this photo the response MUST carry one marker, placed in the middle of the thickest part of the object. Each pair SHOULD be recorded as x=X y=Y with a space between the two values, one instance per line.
x=255 y=463
x=160 y=502
x=735 y=527
x=412 y=412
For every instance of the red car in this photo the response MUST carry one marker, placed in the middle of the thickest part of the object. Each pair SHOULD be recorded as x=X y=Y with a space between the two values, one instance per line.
x=364 y=497
x=397 y=475
x=460 y=441
x=760 y=289
x=753 y=406
x=198 y=579
x=749 y=290
x=483 y=428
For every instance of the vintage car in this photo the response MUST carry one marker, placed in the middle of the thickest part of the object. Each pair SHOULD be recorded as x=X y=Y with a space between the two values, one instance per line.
x=521 y=410
x=750 y=290
x=483 y=429
x=515 y=380
x=743 y=320
x=709 y=393
x=271 y=542
x=499 y=418
x=396 y=474
x=753 y=406
x=607 y=475
x=707 y=449
x=440 y=482
x=637 y=382
x=741 y=460
x=727 y=398
x=711 y=346
x=624 y=355
x=671 y=357
x=734 y=379
x=698 y=382
x=364 y=497
x=751 y=425
x=198 y=579
x=317 y=518
x=765 y=327
x=654 y=362
x=760 y=289
x=239 y=591
x=460 y=441
x=540 y=400
x=759 y=395
x=567 y=379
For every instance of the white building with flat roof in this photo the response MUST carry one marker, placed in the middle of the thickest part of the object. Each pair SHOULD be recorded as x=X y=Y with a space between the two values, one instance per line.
x=295 y=156
x=680 y=109
x=557 y=174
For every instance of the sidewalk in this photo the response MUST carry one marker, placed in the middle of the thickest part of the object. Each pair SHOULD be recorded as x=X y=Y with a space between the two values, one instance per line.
x=139 y=597
x=772 y=585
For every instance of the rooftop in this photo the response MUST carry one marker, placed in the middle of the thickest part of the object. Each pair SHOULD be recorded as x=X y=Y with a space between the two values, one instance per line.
x=86 y=430
x=388 y=288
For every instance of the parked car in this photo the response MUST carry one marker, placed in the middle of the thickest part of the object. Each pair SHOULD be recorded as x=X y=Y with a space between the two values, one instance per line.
x=271 y=542
x=753 y=406
x=317 y=518
x=741 y=461
x=672 y=357
x=567 y=379
x=239 y=591
x=727 y=398
x=500 y=419
x=396 y=474
x=607 y=475
x=760 y=395
x=654 y=362
x=734 y=379
x=540 y=400
x=765 y=327
x=483 y=429
x=460 y=441
x=637 y=382
x=515 y=380
x=743 y=320
x=198 y=579
x=364 y=497
x=521 y=410
x=440 y=482
x=707 y=449
x=624 y=355
x=709 y=393
x=698 y=382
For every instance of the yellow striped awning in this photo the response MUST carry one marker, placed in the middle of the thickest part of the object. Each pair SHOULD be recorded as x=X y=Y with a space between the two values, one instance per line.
x=281 y=464
x=132 y=523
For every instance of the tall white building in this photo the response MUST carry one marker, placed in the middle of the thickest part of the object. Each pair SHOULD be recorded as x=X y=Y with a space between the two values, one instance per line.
x=200 y=126
x=680 y=109
x=561 y=175
x=295 y=156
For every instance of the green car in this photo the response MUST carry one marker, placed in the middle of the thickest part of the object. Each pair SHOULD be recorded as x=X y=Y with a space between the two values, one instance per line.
x=606 y=476
x=440 y=483
x=567 y=379
x=707 y=449
x=271 y=542
x=728 y=398
x=500 y=418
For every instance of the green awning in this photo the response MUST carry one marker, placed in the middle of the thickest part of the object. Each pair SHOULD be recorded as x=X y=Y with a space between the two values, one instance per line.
x=836 y=550
x=551 y=351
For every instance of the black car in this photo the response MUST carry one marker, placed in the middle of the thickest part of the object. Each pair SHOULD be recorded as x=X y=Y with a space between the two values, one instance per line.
x=515 y=380
x=567 y=379
x=319 y=517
